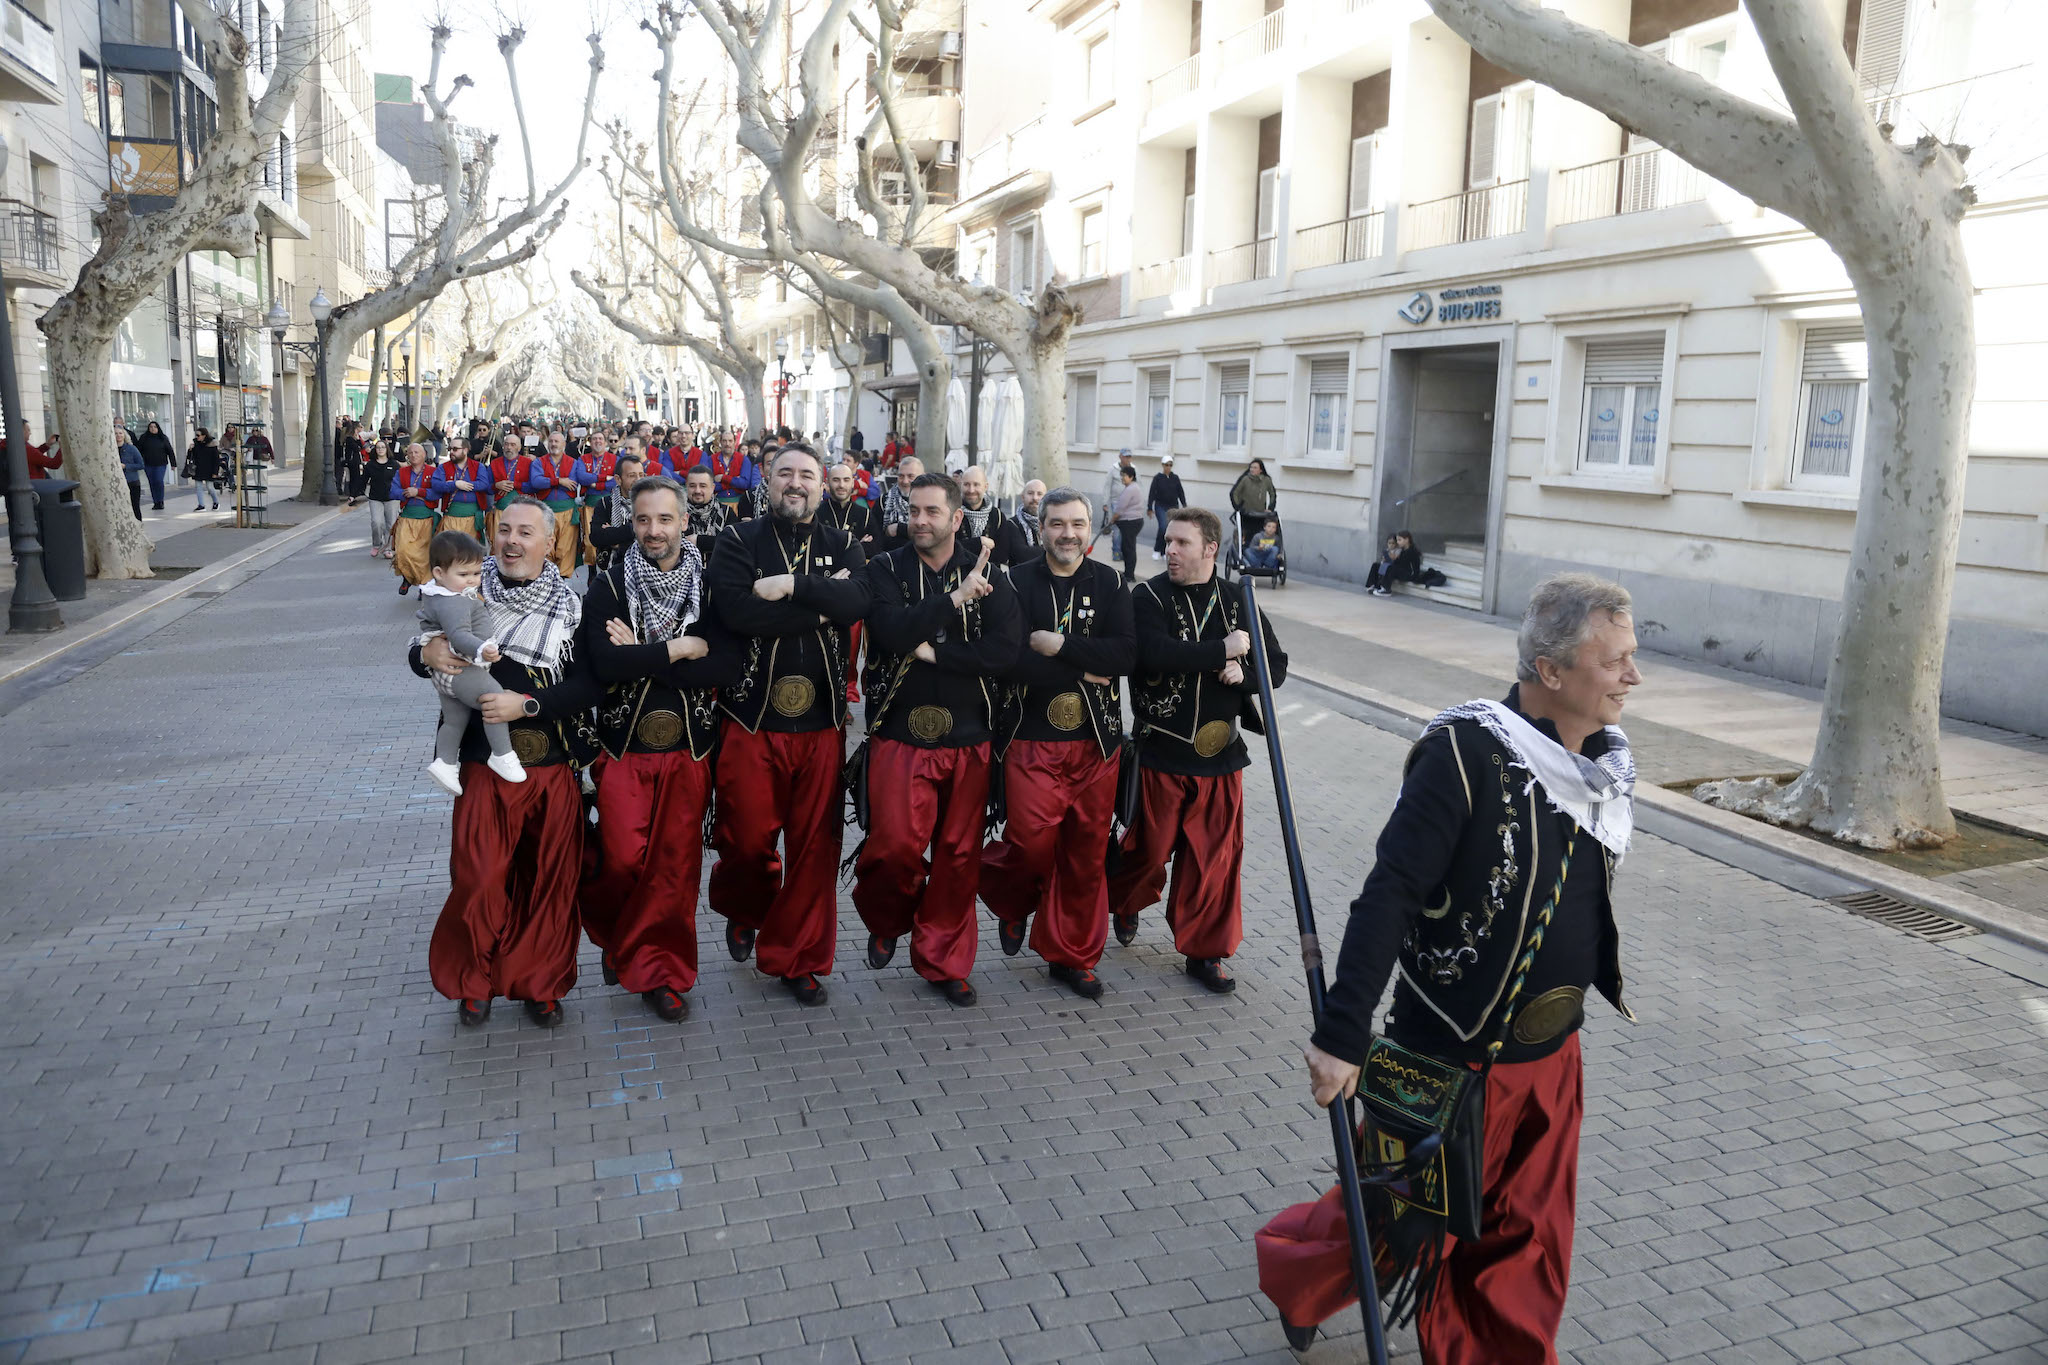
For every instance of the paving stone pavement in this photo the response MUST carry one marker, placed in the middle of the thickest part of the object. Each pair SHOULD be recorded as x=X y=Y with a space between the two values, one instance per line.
x=237 y=1124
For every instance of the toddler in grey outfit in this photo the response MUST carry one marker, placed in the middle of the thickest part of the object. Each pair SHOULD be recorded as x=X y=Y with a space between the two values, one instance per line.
x=449 y=606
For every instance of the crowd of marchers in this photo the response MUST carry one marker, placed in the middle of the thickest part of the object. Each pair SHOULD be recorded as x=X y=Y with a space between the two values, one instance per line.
x=741 y=600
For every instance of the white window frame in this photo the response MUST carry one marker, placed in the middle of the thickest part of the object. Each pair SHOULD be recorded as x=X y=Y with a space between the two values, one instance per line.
x=1077 y=408
x=1774 y=450
x=1511 y=110
x=1564 y=464
x=1244 y=421
x=1796 y=478
x=1083 y=268
x=1148 y=416
x=1339 y=452
x=1025 y=255
x=1092 y=98
x=1358 y=200
x=1187 y=225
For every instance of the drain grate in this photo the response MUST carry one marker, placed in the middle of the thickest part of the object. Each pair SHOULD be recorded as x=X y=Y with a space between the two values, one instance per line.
x=204 y=593
x=1916 y=920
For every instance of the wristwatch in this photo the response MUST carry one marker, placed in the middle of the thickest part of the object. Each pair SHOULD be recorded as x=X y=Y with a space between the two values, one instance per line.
x=532 y=706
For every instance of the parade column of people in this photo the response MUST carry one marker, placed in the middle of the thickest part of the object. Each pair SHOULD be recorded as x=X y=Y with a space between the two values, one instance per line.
x=661 y=656
x=508 y=927
x=566 y=480
x=1060 y=762
x=941 y=630
x=707 y=516
x=1191 y=690
x=612 y=519
x=512 y=475
x=789 y=588
x=458 y=484
x=414 y=487
x=596 y=468
x=850 y=514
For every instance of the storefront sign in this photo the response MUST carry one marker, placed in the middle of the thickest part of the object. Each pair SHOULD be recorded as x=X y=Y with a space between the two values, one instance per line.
x=144 y=169
x=1465 y=303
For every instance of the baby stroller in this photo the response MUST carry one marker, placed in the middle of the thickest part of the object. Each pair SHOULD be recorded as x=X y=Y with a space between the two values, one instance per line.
x=1237 y=563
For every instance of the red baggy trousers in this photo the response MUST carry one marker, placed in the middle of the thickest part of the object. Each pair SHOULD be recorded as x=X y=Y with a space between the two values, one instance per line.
x=772 y=784
x=1198 y=823
x=1498 y=1300
x=922 y=799
x=641 y=907
x=1060 y=796
x=508 y=927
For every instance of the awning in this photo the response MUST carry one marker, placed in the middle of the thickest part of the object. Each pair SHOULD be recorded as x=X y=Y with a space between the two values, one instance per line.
x=1023 y=185
x=895 y=383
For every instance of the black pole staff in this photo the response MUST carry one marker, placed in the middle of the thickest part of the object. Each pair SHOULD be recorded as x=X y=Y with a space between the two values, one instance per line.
x=1362 y=1277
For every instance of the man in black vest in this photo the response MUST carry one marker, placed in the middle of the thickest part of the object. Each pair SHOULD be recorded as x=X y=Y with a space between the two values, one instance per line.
x=855 y=516
x=942 y=629
x=1191 y=691
x=661 y=658
x=611 y=528
x=707 y=515
x=1060 y=762
x=980 y=518
x=789 y=588
x=1023 y=536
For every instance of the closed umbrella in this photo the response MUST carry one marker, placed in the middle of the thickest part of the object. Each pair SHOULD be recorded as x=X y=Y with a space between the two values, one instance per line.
x=956 y=426
x=1006 y=469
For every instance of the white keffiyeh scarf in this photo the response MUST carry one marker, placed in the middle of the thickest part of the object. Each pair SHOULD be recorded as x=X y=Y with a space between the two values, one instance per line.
x=663 y=602
x=1029 y=521
x=1599 y=794
x=622 y=506
x=705 y=520
x=895 y=506
x=975 y=520
x=534 y=622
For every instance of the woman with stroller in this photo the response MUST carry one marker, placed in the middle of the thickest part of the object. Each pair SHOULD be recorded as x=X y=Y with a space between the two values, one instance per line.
x=1254 y=498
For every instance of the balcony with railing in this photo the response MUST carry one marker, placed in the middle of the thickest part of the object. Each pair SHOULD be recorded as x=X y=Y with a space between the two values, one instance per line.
x=29 y=72
x=1240 y=264
x=1491 y=211
x=1182 y=78
x=1261 y=38
x=1163 y=278
x=1346 y=240
x=1012 y=154
x=1636 y=183
x=31 y=246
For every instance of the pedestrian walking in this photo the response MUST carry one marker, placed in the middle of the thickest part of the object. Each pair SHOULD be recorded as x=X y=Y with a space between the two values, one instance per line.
x=1128 y=516
x=1163 y=497
x=131 y=468
x=1252 y=497
x=202 y=466
x=1491 y=895
x=157 y=458
x=352 y=450
x=376 y=484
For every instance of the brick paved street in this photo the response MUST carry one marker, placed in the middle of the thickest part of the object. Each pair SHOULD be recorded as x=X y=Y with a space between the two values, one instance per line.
x=237 y=1124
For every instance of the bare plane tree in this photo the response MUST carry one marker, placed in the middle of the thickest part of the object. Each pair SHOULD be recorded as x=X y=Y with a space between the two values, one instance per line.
x=137 y=251
x=1032 y=336
x=474 y=236
x=488 y=326
x=1893 y=214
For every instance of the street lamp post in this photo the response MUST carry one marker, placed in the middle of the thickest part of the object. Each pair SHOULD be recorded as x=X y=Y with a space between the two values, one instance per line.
x=977 y=370
x=782 y=384
x=31 y=608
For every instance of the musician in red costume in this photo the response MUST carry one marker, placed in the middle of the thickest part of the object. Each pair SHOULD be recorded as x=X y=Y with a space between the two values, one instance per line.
x=512 y=474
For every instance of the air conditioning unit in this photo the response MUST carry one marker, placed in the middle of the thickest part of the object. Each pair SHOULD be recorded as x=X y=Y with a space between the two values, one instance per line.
x=876 y=350
x=949 y=153
x=949 y=44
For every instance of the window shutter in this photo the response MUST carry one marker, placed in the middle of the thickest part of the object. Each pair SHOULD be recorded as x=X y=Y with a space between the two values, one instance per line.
x=1835 y=354
x=1158 y=383
x=1237 y=378
x=1187 y=225
x=1881 y=45
x=1626 y=360
x=1328 y=374
x=1268 y=183
x=1361 y=176
x=1485 y=130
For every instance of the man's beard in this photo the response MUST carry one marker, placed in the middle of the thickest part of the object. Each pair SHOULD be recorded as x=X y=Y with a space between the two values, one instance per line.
x=783 y=510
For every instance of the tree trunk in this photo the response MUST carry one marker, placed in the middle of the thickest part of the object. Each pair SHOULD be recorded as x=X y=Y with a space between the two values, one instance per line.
x=1875 y=777
x=376 y=389
x=934 y=380
x=115 y=544
x=1043 y=379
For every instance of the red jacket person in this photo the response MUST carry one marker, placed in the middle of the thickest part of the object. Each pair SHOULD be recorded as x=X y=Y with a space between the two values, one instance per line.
x=941 y=631
x=1491 y=948
x=508 y=927
x=1192 y=691
x=789 y=588
x=651 y=641
x=1063 y=739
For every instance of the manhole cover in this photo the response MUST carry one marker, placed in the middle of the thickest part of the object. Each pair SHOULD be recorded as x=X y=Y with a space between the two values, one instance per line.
x=1916 y=920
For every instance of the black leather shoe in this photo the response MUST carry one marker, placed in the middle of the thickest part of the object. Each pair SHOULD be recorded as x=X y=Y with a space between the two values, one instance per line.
x=807 y=989
x=667 y=1002
x=956 y=992
x=611 y=973
x=1011 y=934
x=1209 y=971
x=1126 y=929
x=880 y=951
x=739 y=942
x=546 y=1013
x=473 y=1012
x=1084 y=983
x=1298 y=1338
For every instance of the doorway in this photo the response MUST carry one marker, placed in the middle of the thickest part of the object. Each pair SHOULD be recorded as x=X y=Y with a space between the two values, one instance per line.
x=1441 y=461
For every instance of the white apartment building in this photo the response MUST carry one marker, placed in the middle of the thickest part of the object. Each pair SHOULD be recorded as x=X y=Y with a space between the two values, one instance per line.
x=337 y=118
x=1429 y=296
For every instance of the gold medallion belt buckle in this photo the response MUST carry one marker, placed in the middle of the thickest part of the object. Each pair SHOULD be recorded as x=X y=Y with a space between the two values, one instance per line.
x=529 y=744
x=1065 y=712
x=660 y=730
x=1550 y=1014
x=1213 y=738
x=792 y=696
x=930 y=723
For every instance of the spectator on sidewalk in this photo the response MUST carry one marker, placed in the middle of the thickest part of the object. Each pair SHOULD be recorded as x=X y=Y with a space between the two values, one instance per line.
x=202 y=466
x=131 y=468
x=349 y=452
x=43 y=460
x=1129 y=516
x=259 y=448
x=1164 y=495
x=157 y=458
x=376 y=484
x=1400 y=562
x=1253 y=496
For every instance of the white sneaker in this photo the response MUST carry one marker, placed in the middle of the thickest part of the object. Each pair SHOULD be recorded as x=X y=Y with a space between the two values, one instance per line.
x=1156 y=556
x=508 y=767
x=447 y=774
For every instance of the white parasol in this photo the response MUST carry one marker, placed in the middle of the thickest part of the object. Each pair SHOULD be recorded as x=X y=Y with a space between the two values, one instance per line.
x=1006 y=441
x=956 y=426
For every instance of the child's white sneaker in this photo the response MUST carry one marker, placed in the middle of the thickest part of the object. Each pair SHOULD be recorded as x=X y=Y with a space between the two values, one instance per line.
x=508 y=766
x=447 y=774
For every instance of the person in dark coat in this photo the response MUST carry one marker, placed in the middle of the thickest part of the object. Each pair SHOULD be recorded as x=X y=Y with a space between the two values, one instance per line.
x=1162 y=497
x=157 y=458
x=203 y=464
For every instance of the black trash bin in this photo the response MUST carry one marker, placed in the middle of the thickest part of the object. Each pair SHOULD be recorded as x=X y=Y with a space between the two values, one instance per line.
x=60 y=521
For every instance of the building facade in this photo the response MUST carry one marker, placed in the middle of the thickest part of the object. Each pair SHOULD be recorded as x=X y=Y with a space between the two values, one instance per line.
x=1326 y=235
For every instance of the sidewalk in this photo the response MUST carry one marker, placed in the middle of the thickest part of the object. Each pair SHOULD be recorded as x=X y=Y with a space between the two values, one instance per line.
x=1689 y=722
